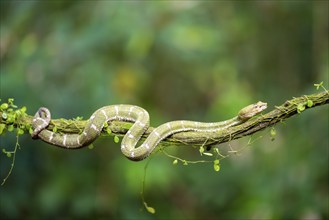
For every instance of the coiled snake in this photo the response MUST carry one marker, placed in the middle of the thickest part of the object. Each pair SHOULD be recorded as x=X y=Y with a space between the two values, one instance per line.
x=141 y=120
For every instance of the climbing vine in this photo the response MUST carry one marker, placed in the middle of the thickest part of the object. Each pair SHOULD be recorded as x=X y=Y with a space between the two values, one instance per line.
x=15 y=119
x=11 y=114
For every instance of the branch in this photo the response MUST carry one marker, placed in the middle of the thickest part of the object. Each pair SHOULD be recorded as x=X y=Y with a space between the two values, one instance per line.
x=278 y=114
x=119 y=128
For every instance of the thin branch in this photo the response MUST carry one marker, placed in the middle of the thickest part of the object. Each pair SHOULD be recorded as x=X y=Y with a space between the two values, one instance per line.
x=278 y=114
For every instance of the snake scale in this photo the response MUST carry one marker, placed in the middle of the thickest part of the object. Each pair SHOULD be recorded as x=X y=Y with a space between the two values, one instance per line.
x=141 y=120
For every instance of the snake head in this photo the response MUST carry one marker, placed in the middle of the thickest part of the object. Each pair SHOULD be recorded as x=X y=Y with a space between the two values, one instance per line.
x=252 y=110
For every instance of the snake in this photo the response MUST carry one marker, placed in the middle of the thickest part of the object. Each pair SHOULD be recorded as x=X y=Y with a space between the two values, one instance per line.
x=141 y=122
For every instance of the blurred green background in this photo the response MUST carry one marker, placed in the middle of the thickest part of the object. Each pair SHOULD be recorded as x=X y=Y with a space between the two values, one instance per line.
x=196 y=60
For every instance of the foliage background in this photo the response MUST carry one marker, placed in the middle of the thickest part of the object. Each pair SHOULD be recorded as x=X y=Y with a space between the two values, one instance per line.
x=179 y=60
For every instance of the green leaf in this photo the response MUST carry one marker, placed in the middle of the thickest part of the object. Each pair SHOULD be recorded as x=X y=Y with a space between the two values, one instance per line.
x=91 y=146
x=318 y=85
x=20 y=131
x=8 y=154
x=11 y=101
x=216 y=167
x=55 y=129
x=300 y=107
x=273 y=133
x=18 y=112
x=309 y=103
x=11 y=118
x=4 y=106
x=175 y=162
x=149 y=209
x=30 y=130
x=108 y=130
x=185 y=162
x=2 y=128
x=116 y=139
x=23 y=109
x=10 y=128
x=201 y=150
x=78 y=118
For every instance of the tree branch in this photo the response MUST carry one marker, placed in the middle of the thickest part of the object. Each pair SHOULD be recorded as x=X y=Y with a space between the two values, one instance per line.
x=278 y=114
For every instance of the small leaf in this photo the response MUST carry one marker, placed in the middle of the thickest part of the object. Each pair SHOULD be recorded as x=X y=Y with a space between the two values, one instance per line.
x=175 y=162
x=18 y=112
x=273 y=133
x=201 y=150
x=11 y=118
x=149 y=209
x=309 y=103
x=30 y=130
x=8 y=154
x=23 y=109
x=300 y=107
x=91 y=146
x=318 y=85
x=116 y=139
x=20 y=131
x=208 y=154
x=185 y=162
x=216 y=167
x=2 y=127
x=11 y=101
x=10 y=128
x=78 y=118
x=4 y=106
x=55 y=129
x=108 y=130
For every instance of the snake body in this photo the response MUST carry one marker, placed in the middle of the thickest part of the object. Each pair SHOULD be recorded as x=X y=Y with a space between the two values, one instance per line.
x=141 y=120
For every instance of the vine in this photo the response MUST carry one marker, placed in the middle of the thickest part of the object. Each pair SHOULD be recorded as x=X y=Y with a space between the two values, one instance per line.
x=14 y=119
x=11 y=113
x=11 y=154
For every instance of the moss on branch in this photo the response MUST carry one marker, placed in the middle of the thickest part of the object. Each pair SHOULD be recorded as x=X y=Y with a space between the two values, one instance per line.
x=277 y=114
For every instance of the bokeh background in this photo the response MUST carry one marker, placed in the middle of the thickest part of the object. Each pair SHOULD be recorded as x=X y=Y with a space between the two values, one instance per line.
x=196 y=60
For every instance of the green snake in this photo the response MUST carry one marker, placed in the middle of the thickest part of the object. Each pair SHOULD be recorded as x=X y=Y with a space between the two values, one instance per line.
x=141 y=120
